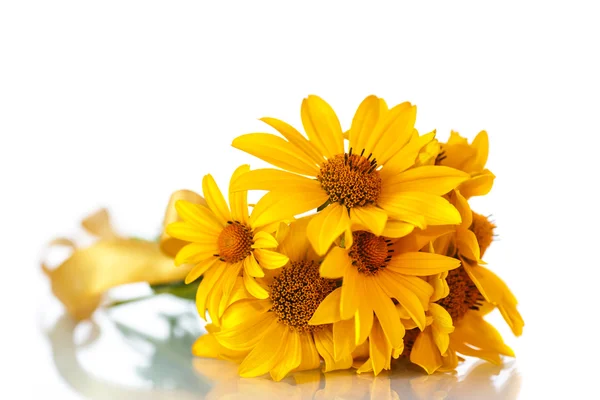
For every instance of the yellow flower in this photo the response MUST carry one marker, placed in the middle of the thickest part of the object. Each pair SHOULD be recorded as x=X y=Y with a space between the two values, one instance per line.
x=360 y=187
x=375 y=270
x=464 y=245
x=472 y=291
x=273 y=335
x=223 y=244
x=470 y=158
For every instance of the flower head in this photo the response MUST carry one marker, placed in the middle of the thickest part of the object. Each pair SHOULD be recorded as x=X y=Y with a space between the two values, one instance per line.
x=362 y=184
x=223 y=243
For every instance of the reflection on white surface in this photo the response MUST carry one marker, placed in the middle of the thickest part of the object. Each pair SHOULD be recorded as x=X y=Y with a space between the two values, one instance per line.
x=143 y=351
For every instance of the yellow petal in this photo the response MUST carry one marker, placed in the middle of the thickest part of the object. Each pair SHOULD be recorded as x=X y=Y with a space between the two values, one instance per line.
x=195 y=252
x=441 y=327
x=264 y=240
x=478 y=185
x=364 y=123
x=363 y=317
x=238 y=201
x=207 y=284
x=275 y=179
x=481 y=146
x=395 y=286
x=351 y=297
x=380 y=350
x=327 y=226
x=276 y=151
x=428 y=179
x=324 y=343
x=252 y=268
x=421 y=264
x=420 y=238
x=215 y=200
x=406 y=157
x=309 y=355
x=397 y=229
x=270 y=259
x=275 y=207
x=243 y=325
x=425 y=352
x=335 y=263
x=190 y=232
x=396 y=130
x=254 y=288
x=200 y=216
x=200 y=269
x=343 y=339
x=295 y=137
x=268 y=351
x=290 y=359
x=462 y=205
x=369 y=218
x=386 y=314
x=435 y=209
x=322 y=126
x=467 y=244
x=329 y=309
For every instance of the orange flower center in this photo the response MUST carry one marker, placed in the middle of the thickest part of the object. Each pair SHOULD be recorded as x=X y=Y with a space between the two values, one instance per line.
x=463 y=296
x=297 y=292
x=350 y=179
x=483 y=230
x=235 y=242
x=369 y=253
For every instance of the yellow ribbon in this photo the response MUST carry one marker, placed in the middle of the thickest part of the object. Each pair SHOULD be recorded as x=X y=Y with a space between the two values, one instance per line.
x=81 y=280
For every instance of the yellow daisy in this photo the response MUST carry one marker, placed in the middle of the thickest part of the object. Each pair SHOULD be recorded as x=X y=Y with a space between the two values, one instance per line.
x=464 y=245
x=470 y=158
x=361 y=186
x=223 y=244
x=456 y=323
x=376 y=271
x=273 y=335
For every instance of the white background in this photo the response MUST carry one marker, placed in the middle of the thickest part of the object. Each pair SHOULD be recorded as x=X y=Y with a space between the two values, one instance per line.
x=119 y=103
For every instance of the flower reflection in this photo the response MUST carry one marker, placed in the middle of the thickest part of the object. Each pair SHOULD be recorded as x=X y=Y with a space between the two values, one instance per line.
x=167 y=370
x=482 y=380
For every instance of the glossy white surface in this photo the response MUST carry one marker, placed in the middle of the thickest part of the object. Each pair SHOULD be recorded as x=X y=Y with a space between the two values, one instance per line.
x=142 y=351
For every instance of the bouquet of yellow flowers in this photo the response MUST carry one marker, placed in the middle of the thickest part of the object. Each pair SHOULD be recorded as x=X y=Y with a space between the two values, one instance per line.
x=363 y=250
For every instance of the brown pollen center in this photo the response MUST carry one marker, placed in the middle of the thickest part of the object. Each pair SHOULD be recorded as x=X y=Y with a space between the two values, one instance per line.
x=235 y=242
x=369 y=253
x=483 y=229
x=463 y=296
x=297 y=292
x=350 y=179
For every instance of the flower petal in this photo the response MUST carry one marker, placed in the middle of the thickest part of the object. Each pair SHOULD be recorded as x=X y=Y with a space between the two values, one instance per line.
x=397 y=229
x=254 y=288
x=275 y=207
x=200 y=216
x=238 y=201
x=478 y=185
x=435 y=209
x=431 y=179
x=369 y=218
x=275 y=179
x=252 y=268
x=351 y=293
x=327 y=226
x=425 y=352
x=322 y=126
x=268 y=351
x=270 y=259
x=264 y=240
x=290 y=359
x=201 y=268
x=276 y=151
x=364 y=122
x=343 y=339
x=386 y=314
x=329 y=309
x=295 y=137
x=335 y=264
x=215 y=200
x=421 y=264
